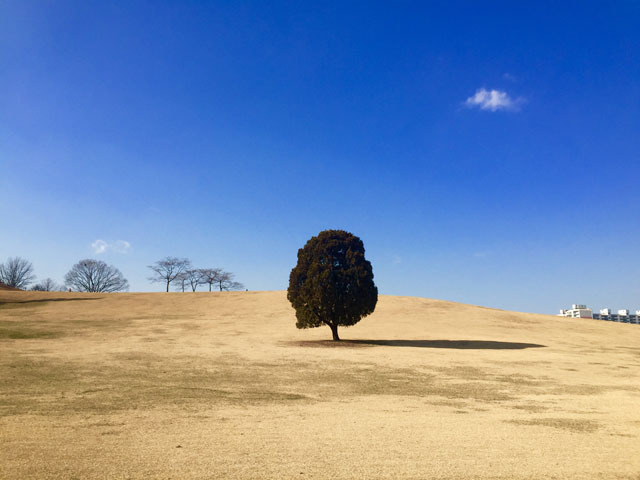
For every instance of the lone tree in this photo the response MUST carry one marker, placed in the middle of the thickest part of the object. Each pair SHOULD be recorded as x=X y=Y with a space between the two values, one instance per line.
x=332 y=284
x=17 y=273
x=169 y=269
x=95 y=276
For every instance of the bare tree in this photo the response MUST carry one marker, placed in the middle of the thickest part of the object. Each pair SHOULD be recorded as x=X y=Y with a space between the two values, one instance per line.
x=95 y=276
x=210 y=275
x=17 y=273
x=46 y=285
x=225 y=281
x=181 y=280
x=168 y=269
x=194 y=278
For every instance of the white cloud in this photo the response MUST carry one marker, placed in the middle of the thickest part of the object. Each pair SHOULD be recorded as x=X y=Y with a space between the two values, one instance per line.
x=99 y=246
x=493 y=100
x=119 y=246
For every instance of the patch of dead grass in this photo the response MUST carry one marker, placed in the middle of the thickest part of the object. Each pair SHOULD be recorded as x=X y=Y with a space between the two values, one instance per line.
x=572 y=424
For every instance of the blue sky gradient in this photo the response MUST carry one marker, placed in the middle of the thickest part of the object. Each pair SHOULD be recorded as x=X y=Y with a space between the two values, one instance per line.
x=231 y=132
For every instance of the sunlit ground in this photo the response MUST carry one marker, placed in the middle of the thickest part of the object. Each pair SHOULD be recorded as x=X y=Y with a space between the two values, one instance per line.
x=222 y=385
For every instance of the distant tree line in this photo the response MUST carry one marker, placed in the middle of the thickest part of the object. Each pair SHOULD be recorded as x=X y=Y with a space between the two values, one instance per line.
x=181 y=273
x=90 y=275
x=85 y=276
x=47 y=285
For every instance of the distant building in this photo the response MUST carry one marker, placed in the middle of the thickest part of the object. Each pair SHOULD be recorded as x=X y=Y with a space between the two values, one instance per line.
x=581 y=311
x=577 y=311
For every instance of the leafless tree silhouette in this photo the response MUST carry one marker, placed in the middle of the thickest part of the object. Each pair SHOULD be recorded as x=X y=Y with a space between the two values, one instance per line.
x=225 y=281
x=95 y=276
x=210 y=275
x=17 y=272
x=194 y=278
x=181 y=281
x=46 y=285
x=169 y=269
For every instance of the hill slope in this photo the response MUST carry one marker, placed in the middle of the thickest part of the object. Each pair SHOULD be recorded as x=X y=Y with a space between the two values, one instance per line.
x=212 y=385
x=4 y=286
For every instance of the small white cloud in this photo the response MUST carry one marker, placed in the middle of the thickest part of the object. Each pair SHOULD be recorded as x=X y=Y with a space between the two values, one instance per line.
x=493 y=100
x=396 y=260
x=99 y=246
x=511 y=78
x=119 y=246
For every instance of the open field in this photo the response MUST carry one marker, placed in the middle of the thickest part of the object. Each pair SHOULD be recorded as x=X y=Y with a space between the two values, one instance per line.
x=222 y=385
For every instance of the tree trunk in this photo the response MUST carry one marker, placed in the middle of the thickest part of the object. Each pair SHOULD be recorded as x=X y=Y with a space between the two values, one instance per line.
x=334 y=331
x=209 y=287
x=168 y=286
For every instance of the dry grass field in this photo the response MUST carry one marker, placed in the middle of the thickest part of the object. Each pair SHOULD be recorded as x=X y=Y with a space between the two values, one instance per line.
x=222 y=385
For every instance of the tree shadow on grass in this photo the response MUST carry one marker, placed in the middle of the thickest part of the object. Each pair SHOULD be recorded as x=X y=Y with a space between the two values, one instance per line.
x=453 y=344
x=456 y=344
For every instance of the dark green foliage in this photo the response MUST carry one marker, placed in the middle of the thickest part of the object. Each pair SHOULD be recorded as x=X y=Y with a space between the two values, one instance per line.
x=332 y=284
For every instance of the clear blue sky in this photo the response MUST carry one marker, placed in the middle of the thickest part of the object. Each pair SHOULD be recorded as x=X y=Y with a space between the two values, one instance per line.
x=487 y=153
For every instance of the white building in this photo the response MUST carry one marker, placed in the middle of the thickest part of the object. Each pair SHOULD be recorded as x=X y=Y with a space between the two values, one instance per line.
x=577 y=311
x=581 y=311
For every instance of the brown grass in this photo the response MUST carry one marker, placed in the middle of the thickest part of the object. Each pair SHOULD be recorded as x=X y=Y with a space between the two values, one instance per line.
x=4 y=286
x=222 y=385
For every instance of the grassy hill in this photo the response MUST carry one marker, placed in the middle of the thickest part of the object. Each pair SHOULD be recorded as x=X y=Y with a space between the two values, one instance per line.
x=222 y=385
x=4 y=286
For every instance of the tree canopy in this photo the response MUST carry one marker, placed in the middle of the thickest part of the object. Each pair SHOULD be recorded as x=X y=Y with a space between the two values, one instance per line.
x=95 y=276
x=17 y=273
x=332 y=283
